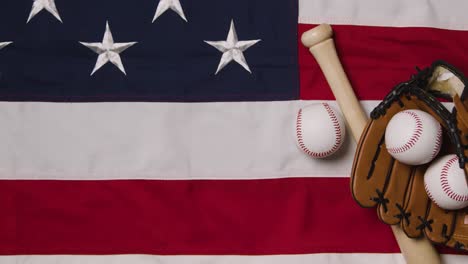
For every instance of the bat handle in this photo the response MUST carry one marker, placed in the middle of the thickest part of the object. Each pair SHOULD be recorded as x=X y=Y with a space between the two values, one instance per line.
x=320 y=43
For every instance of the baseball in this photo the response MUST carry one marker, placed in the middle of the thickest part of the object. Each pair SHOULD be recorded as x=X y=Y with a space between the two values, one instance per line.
x=413 y=137
x=320 y=130
x=445 y=183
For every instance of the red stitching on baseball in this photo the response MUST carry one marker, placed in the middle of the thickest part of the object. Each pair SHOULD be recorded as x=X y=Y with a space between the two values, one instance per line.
x=438 y=142
x=429 y=194
x=414 y=137
x=444 y=182
x=336 y=126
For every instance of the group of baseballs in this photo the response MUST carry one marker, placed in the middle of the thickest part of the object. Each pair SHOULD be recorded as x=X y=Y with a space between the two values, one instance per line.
x=412 y=137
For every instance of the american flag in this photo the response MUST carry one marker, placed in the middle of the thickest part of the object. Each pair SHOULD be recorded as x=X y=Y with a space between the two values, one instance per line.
x=162 y=131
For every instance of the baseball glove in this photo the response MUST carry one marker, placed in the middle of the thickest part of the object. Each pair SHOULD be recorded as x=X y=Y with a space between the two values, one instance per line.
x=397 y=189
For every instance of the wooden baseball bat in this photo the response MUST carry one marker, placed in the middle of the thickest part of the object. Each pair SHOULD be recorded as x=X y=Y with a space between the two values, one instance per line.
x=320 y=43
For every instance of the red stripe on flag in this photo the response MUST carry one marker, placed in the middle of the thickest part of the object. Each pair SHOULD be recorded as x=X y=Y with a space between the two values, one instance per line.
x=280 y=216
x=378 y=58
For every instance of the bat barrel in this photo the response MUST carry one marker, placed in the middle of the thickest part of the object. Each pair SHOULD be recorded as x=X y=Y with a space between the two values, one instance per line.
x=320 y=43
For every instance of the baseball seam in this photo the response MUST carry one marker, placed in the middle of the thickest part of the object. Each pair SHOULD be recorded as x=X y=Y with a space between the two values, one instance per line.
x=336 y=126
x=417 y=132
x=445 y=184
x=438 y=142
x=429 y=194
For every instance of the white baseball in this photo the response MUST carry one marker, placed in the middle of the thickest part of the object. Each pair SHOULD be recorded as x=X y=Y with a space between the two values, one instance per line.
x=413 y=137
x=445 y=183
x=320 y=130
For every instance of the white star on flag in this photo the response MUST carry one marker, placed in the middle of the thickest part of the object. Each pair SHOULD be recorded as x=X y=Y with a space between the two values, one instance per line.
x=232 y=49
x=164 y=5
x=4 y=44
x=108 y=50
x=48 y=5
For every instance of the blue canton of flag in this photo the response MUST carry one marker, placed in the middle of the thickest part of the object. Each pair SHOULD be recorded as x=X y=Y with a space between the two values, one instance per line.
x=87 y=51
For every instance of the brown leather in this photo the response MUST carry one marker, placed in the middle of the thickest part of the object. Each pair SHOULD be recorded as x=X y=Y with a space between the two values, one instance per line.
x=462 y=123
x=397 y=189
x=459 y=239
x=459 y=229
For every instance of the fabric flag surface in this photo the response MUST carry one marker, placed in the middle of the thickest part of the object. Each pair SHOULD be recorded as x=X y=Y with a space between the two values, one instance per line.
x=162 y=131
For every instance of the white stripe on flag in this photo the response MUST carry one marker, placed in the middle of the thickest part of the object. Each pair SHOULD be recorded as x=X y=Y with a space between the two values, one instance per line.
x=333 y=258
x=398 y=13
x=247 y=140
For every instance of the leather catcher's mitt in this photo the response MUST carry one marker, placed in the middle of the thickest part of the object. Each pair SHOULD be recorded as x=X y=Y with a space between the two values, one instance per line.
x=398 y=189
